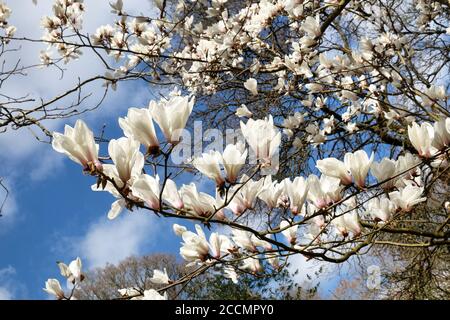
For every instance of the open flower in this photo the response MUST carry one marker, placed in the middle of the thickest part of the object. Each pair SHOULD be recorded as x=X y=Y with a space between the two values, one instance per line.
x=290 y=232
x=384 y=170
x=53 y=287
x=359 y=164
x=233 y=159
x=79 y=145
x=407 y=197
x=147 y=189
x=262 y=137
x=209 y=165
x=380 y=208
x=421 y=137
x=172 y=115
x=160 y=277
x=297 y=191
x=333 y=167
x=348 y=222
x=171 y=195
x=195 y=246
x=138 y=124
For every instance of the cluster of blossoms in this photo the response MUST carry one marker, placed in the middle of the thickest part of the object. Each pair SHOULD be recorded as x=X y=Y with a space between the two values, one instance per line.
x=9 y=31
x=315 y=202
x=72 y=273
x=347 y=94
x=67 y=16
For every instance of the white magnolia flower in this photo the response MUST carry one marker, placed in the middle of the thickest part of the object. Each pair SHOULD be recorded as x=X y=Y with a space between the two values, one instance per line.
x=421 y=137
x=263 y=137
x=147 y=189
x=297 y=191
x=79 y=145
x=233 y=159
x=152 y=294
x=290 y=232
x=230 y=273
x=325 y=191
x=252 y=264
x=172 y=115
x=248 y=241
x=243 y=111
x=128 y=160
x=160 y=277
x=200 y=203
x=381 y=208
x=270 y=192
x=195 y=246
x=129 y=292
x=252 y=86
x=219 y=244
x=171 y=195
x=359 y=164
x=53 y=287
x=384 y=170
x=209 y=165
x=138 y=124
x=244 y=195
x=441 y=134
x=179 y=230
x=333 y=167
x=311 y=26
x=346 y=223
x=407 y=197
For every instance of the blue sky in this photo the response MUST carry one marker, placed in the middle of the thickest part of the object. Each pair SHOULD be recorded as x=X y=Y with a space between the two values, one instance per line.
x=52 y=214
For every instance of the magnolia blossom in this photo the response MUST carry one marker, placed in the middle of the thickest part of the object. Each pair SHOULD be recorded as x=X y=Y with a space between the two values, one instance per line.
x=262 y=137
x=346 y=223
x=152 y=294
x=383 y=171
x=171 y=194
x=325 y=191
x=160 y=277
x=421 y=137
x=407 y=197
x=441 y=134
x=147 y=189
x=128 y=160
x=179 y=230
x=252 y=264
x=231 y=274
x=200 y=203
x=244 y=196
x=243 y=111
x=219 y=244
x=333 y=167
x=248 y=241
x=290 y=232
x=252 y=86
x=380 y=208
x=297 y=191
x=233 y=159
x=359 y=164
x=53 y=287
x=271 y=192
x=79 y=145
x=138 y=124
x=209 y=165
x=171 y=115
x=72 y=271
x=195 y=246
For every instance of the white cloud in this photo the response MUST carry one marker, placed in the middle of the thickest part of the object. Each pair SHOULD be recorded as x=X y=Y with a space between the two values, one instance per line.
x=112 y=241
x=6 y=285
x=5 y=294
